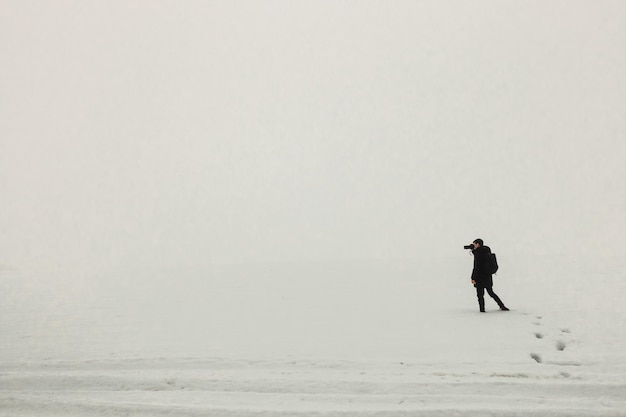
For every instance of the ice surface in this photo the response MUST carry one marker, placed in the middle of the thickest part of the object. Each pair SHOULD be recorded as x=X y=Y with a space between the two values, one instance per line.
x=354 y=338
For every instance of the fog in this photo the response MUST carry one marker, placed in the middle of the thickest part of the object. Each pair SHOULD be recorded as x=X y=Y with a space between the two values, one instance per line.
x=168 y=133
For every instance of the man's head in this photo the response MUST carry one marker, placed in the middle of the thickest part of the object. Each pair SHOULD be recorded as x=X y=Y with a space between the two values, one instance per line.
x=478 y=243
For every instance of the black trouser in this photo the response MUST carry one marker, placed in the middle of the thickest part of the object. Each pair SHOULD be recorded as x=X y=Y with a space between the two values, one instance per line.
x=480 y=293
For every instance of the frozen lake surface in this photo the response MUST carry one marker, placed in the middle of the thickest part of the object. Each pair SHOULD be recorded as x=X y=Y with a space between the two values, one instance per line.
x=336 y=339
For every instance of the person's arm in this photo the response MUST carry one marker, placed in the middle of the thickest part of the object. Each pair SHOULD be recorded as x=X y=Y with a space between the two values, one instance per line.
x=474 y=270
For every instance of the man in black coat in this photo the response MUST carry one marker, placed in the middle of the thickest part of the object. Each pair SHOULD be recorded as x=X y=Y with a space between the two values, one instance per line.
x=481 y=275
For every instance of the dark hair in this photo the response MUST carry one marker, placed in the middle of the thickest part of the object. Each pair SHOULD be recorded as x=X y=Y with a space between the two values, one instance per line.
x=479 y=241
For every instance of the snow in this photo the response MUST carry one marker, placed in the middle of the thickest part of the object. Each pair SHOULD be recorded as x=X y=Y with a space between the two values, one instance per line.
x=257 y=208
x=361 y=338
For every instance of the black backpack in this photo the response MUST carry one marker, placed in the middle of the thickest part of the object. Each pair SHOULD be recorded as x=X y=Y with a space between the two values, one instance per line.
x=493 y=263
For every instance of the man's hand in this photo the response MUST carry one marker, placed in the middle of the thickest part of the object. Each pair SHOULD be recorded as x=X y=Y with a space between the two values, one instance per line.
x=474 y=282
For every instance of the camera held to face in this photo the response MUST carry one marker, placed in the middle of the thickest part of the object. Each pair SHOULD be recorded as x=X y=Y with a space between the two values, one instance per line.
x=474 y=245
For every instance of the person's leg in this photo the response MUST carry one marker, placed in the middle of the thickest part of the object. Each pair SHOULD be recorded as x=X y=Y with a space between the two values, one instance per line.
x=480 y=294
x=496 y=298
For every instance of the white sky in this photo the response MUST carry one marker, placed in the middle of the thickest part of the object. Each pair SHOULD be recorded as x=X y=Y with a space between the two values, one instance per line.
x=167 y=132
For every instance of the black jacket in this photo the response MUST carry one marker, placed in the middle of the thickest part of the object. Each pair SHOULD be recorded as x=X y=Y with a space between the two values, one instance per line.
x=482 y=264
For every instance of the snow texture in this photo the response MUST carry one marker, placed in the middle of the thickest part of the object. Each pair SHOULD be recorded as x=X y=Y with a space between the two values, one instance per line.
x=339 y=339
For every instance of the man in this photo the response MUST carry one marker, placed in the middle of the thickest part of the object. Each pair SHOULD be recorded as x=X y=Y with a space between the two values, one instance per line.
x=481 y=275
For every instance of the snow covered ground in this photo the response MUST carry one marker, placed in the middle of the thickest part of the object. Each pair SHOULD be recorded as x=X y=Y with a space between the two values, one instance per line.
x=367 y=338
x=255 y=139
